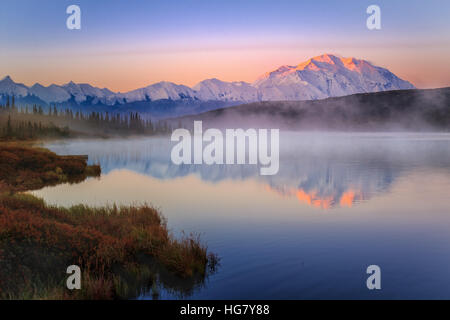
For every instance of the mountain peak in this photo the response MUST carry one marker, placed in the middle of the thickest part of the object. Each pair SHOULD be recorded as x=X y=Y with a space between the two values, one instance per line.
x=326 y=57
x=9 y=87
x=326 y=75
x=330 y=60
x=37 y=85
x=7 y=78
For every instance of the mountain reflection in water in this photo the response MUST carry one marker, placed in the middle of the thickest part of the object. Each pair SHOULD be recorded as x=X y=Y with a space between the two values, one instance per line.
x=322 y=173
x=339 y=203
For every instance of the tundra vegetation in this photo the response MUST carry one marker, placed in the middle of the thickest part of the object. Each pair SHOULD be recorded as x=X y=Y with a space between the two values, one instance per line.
x=122 y=251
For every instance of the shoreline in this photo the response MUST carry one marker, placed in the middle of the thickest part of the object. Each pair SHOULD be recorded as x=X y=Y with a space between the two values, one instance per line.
x=121 y=250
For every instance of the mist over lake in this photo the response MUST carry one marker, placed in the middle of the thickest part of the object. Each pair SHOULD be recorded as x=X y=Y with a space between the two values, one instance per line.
x=339 y=203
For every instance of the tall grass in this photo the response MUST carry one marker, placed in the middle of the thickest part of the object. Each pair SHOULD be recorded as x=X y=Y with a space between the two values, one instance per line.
x=105 y=242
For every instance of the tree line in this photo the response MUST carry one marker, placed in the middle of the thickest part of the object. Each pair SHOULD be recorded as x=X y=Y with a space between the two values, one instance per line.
x=29 y=122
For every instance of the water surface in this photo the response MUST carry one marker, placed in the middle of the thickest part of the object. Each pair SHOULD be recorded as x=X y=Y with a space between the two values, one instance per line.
x=340 y=203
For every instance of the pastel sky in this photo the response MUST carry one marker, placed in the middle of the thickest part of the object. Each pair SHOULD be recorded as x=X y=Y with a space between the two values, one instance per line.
x=127 y=44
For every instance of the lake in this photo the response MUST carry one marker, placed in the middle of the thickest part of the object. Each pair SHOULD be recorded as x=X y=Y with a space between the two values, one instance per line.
x=339 y=203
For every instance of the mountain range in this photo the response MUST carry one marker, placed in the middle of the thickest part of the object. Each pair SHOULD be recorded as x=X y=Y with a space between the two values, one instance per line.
x=317 y=78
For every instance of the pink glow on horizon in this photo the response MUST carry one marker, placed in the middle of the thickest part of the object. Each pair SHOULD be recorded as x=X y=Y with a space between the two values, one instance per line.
x=131 y=71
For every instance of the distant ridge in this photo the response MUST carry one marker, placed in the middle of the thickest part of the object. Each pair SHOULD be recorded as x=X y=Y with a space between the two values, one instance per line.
x=402 y=110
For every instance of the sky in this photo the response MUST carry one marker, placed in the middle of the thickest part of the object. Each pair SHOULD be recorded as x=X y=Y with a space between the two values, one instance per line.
x=128 y=44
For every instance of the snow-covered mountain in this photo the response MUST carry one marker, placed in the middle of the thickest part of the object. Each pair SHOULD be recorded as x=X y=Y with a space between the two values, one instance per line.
x=320 y=77
x=159 y=91
x=214 y=89
x=326 y=76
x=52 y=93
x=9 y=87
x=81 y=93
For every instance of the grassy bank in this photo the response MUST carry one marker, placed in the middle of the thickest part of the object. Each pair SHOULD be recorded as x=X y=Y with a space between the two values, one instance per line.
x=23 y=167
x=121 y=250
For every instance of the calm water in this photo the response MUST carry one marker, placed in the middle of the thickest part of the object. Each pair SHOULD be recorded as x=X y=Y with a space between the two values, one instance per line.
x=340 y=203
